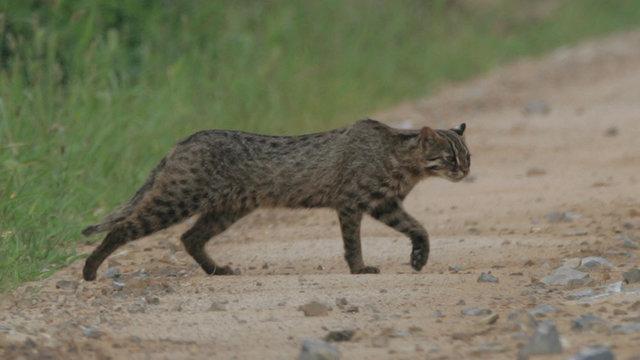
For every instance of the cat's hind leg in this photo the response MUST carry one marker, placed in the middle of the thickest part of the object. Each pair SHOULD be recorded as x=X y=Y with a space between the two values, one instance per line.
x=207 y=226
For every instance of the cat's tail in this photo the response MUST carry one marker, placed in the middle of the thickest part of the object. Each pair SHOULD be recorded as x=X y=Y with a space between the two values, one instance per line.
x=121 y=213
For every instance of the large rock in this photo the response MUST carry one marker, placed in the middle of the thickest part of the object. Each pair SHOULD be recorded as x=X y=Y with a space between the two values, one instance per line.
x=318 y=350
x=545 y=340
x=565 y=275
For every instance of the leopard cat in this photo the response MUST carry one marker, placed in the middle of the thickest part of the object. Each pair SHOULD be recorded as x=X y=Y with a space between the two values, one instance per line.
x=366 y=168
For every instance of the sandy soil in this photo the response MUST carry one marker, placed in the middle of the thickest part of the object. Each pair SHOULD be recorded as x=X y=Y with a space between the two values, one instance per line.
x=582 y=157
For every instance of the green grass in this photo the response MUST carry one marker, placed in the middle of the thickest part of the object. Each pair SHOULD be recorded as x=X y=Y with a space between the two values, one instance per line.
x=92 y=94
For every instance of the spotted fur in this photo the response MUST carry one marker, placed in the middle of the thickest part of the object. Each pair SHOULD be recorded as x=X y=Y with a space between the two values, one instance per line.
x=366 y=168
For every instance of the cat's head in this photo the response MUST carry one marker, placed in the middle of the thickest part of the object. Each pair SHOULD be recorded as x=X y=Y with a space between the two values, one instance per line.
x=445 y=153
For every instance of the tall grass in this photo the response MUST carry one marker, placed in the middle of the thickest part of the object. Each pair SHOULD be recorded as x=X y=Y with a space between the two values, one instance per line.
x=93 y=93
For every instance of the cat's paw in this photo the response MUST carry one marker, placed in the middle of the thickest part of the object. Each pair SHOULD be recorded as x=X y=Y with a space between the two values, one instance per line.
x=225 y=270
x=367 y=270
x=419 y=258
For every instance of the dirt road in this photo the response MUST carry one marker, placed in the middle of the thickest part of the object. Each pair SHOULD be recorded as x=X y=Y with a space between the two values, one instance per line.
x=555 y=176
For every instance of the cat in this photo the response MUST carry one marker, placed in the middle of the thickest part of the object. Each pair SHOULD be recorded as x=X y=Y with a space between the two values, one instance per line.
x=366 y=168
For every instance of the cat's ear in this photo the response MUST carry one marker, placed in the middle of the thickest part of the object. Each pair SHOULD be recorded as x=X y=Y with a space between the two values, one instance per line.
x=460 y=129
x=427 y=134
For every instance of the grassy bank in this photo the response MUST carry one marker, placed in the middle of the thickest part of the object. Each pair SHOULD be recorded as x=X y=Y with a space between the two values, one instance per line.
x=92 y=94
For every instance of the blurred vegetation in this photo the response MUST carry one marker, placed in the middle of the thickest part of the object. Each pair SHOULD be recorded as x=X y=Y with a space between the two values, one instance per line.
x=93 y=93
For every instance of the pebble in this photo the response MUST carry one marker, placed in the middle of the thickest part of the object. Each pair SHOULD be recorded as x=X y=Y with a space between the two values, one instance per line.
x=339 y=335
x=536 y=107
x=536 y=171
x=113 y=273
x=545 y=340
x=152 y=300
x=626 y=328
x=118 y=285
x=491 y=319
x=67 y=284
x=217 y=306
x=588 y=322
x=565 y=275
x=611 y=131
x=580 y=294
x=628 y=242
x=632 y=276
x=565 y=216
x=542 y=310
x=594 y=353
x=136 y=308
x=487 y=277
x=315 y=308
x=313 y=349
x=455 y=268
x=592 y=262
x=91 y=332
x=474 y=311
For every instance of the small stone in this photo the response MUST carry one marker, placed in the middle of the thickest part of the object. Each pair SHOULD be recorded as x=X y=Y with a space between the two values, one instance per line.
x=352 y=309
x=632 y=276
x=611 y=131
x=339 y=336
x=91 y=332
x=455 y=268
x=315 y=308
x=592 y=262
x=594 y=353
x=341 y=302
x=580 y=294
x=536 y=107
x=318 y=350
x=587 y=322
x=437 y=314
x=474 y=311
x=461 y=302
x=217 y=306
x=564 y=275
x=487 y=277
x=577 y=232
x=545 y=340
x=491 y=319
x=67 y=284
x=536 y=171
x=152 y=300
x=113 y=273
x=626 y=328
x=628 y=242
x=557 y=217
x=542 y=310
x=136 y=308
x=117 y=285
